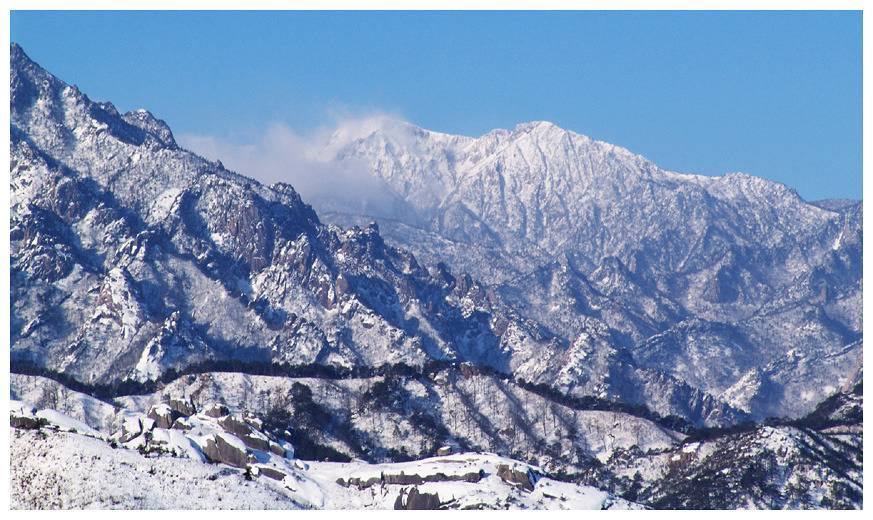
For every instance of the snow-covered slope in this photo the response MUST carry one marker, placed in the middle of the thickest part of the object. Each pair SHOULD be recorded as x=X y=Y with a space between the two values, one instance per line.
x=59 y=463
x=184 y=455
x=568 y=230
x=815 y=462
x=132 y=257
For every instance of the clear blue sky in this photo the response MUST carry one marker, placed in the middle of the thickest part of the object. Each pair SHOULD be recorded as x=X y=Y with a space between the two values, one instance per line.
x=773 y=94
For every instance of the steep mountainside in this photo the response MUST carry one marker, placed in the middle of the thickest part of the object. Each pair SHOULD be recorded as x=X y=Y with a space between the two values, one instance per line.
x=132 y=257
x=685 y=271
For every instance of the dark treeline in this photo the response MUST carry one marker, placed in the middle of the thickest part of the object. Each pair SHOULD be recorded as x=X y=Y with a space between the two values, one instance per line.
x=109 y=391
x=124 y=387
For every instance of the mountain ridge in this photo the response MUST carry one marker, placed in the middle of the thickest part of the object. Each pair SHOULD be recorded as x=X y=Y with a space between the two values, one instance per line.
x=730 y=290
x=732 y=249
x=578 y=325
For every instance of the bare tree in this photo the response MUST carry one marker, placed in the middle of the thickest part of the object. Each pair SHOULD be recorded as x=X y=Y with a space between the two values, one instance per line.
x=49 y=398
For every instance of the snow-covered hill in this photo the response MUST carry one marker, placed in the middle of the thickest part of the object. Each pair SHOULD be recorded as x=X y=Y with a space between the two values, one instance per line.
x=570 y=230
x=215 y=459
x=177 y=453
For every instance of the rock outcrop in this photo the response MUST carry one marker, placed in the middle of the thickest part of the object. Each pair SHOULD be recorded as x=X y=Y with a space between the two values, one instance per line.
x=416 y=500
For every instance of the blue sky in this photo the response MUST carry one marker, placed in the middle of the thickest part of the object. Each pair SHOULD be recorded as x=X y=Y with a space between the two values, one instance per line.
x=773 y=94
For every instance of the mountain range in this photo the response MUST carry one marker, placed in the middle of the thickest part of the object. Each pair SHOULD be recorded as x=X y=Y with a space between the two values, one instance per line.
x=525 y=269
x=733 y=284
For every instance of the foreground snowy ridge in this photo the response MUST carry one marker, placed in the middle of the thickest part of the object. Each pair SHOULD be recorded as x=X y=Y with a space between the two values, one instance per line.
x=60 y=463
x=179 y=455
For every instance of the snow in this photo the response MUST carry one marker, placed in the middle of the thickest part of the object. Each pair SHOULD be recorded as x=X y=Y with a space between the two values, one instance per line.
x=66 y=423
x=591 y=269
x=66 y=470
x=71 y=471
x=179 y=443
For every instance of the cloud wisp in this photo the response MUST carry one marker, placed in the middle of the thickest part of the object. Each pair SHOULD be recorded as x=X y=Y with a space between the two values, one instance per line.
x=308 y=162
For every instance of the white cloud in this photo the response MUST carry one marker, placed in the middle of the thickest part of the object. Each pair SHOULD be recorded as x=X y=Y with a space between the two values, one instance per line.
x=306 y=161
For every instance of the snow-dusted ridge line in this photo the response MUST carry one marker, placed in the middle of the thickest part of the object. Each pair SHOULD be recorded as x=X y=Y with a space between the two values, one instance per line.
x=812 y=464
x=540 y=213
x=262 y=479
x=535 y=255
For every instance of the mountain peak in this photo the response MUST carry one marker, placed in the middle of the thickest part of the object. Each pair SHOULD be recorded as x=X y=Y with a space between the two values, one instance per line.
x=530 y=126
x=20 y=62
x=16 y=53
x=145 y=120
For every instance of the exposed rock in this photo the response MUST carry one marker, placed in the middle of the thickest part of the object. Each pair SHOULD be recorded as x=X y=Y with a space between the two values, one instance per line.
x=134 y=427
x=184 y=407
x=181 y=424
x=272 y=473
x=523 y=479
x=234 y=425
x=342 y=285
x=216 y=410
x=163 y=415
x=26 y=422
x=277 y=449
x=218 y=449
x=416 y=500
x=404 y=479
x=444 y=451
x=245 y=432
x=358 y=482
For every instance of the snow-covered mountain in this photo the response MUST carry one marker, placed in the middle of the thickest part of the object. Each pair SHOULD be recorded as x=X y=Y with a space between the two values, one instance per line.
x=532 y=293
x=133 y=257
x=718 y=281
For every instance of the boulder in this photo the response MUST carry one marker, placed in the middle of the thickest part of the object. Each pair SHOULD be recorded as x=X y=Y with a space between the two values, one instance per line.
x=240 y=428
x=277 y=449
x=181 y=423
x=521 y=478
x=182 y=406
x=226 y=449
x=359 y=482
x=133 y=427
x=272 y=473
x=234 y=425
x=445 y=450
x=253 y=421
x=163 y=415
x=216 y=410
x=415 y=500
x=473 y=476
x=413 y=479
x=26 y=422
x=402 y=479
